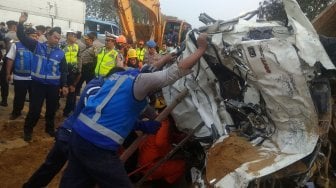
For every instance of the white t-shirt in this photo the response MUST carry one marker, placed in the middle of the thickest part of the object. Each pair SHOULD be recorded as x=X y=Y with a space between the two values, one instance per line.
x=12 y=52
x=11 y=55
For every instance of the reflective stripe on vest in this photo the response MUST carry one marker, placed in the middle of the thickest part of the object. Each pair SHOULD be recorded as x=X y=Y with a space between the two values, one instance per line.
x=101 y=129
x=71 y=53
x=46 y=64
x=23 y=59
x=108 y=97
x=37 y=73
x=140 y=53
x=105 y=62
x=92 y=123
x=21 y=63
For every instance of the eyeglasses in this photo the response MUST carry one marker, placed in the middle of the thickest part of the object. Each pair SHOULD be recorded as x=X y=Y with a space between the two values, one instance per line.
x=108 y=40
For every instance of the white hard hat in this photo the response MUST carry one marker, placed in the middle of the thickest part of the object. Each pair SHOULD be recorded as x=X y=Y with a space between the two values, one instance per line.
x=70 y=31
x=110 y=35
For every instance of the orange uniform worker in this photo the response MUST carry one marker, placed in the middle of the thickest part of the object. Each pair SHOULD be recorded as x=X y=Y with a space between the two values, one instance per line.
x=155 y=147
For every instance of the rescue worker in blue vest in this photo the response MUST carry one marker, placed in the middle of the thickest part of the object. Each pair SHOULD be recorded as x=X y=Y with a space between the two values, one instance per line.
x=58 y=155
x=108 y=118
x=49 y=75
x=19 y=59
x=107 y=57
x=71 y=51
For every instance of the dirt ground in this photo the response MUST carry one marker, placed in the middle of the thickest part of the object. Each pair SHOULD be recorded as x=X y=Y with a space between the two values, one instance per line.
x=19 y=159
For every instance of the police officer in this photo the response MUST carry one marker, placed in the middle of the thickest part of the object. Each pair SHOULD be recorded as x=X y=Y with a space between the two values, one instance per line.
x=88 y=59
x=151 y=54
x=48 y=73
x=107 y=57
x=19 y=59
x=140 y=51
x=71 y=51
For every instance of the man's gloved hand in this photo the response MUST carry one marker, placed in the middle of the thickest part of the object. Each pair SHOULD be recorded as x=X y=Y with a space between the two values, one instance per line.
x=148 y=127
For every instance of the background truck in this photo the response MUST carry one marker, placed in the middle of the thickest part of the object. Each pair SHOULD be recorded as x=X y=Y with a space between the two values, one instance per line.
x=67 y=14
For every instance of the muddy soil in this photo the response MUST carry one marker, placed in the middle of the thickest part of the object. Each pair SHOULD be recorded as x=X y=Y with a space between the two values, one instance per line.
x=19 y=159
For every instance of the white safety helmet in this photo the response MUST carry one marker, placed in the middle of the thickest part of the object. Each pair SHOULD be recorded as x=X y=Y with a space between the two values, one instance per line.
x=71 y=31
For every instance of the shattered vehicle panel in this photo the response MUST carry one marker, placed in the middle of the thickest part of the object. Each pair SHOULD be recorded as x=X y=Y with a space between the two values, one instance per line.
x=261 y=71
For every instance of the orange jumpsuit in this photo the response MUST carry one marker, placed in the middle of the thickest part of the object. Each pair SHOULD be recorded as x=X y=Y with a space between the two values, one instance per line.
x=155 y=147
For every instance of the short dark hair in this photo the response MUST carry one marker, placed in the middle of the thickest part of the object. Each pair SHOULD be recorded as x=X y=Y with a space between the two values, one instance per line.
x=41 y=28
x=92 y=35
x=10 y=23
x=55 y=29
x=30 y=30
x=79 y=34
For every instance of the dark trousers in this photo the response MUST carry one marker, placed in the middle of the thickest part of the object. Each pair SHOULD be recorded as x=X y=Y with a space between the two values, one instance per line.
x=87 y=76
x=89 y=165
x=71 y=97
x=38 y=94
x=54 y=162
x=3 y=83
x=21 y=88
x=70 y=103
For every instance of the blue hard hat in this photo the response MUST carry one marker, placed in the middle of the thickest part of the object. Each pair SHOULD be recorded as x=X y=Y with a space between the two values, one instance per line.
x=151 y=43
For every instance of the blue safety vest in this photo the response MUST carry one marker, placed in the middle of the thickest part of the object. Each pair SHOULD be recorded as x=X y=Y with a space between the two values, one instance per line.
x=110 y=114
x=23 y=60
x=45 y=67
x=90 y=89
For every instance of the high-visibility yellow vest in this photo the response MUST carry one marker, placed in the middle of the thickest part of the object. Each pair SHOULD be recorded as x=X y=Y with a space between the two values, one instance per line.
x=140 y=53
x=105 y=61
x=71 y=53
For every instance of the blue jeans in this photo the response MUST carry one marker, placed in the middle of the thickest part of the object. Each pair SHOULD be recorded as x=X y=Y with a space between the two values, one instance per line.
x=89 y=165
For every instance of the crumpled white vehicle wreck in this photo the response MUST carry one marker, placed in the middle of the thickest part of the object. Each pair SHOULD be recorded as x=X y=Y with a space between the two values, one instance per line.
x=264 y=98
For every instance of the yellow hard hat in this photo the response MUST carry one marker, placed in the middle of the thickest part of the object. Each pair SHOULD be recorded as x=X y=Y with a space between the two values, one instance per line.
x=131 y=53
x=159 y=103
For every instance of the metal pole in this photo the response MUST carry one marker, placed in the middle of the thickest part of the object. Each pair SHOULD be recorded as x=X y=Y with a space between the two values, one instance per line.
x=132 y=148
x=170 y=154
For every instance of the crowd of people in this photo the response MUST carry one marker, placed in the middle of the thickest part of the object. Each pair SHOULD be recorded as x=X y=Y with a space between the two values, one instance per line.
x=120 y=78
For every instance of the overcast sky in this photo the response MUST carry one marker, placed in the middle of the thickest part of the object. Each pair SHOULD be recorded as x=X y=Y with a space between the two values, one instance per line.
x=189 y=10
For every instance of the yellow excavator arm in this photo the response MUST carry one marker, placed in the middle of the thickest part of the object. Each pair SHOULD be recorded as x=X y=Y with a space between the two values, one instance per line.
x=156 y=26
x=153 y=7
x=126 y=18
x=130 y=29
